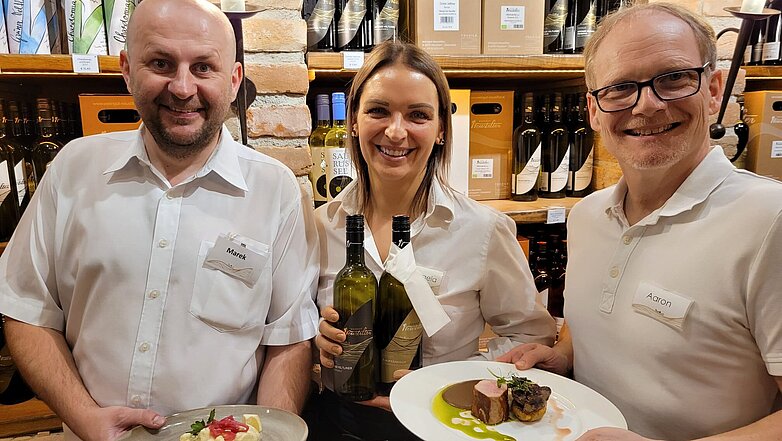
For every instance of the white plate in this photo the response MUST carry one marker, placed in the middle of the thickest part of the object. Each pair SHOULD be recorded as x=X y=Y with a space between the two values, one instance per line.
x=276 y=424
x=572 y=408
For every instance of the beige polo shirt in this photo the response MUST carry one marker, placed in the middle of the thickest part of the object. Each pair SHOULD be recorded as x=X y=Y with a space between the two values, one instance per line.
x=715 y=247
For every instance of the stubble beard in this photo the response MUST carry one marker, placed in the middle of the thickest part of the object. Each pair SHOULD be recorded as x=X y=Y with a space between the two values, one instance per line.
x=186 y=147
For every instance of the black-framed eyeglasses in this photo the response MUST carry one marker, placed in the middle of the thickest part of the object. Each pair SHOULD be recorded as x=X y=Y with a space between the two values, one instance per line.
x=668 y=86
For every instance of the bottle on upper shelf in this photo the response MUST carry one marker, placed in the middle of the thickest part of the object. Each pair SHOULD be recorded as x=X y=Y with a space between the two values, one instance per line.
x=47 y=145
x=526 y=154
x=581 y=141
x=339 y=167
x=320 y=16
x=317 y=143
x=554 y=26
x=354 y=25
x=556 y=153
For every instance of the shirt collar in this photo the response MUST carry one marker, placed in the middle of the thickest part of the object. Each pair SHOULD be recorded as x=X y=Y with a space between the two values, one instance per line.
x=713 y=169
x=440 y=205
x=224 y=161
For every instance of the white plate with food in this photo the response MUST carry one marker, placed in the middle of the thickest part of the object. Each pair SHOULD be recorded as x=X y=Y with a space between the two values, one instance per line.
x=275 y=424
x=568 y=408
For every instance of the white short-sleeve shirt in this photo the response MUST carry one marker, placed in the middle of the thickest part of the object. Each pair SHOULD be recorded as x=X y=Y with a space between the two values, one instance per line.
x=717 y=242
x=112 y=255
x=471 y=251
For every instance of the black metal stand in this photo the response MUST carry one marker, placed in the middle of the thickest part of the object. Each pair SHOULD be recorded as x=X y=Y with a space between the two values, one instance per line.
x=717 y=130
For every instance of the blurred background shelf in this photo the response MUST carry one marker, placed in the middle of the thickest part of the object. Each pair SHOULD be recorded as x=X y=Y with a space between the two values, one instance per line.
x=530 y=212
x=26 y=418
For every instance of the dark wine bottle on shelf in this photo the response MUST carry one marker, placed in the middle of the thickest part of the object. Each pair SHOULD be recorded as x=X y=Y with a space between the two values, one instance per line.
x=398 y=329
x=771 y=50
x=586 y=22
x=355 y=294
x=13 y=389
x=354 y=25
x=556 y=298
x=579 y=181
x=554 y=26
x=10 y=156
x=47 y=145
x=555 y=156
x=539 y=265
x=526 y=154
x=569 y=36
x=385 y=20
x=321 y=24
x=16 y=127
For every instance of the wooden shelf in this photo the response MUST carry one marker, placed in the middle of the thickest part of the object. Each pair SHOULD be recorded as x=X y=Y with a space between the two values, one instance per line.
x=531 y=212
x=53 y=65
x=763 y=72
x=26 y=418
x=553 y=67
x=2 y=247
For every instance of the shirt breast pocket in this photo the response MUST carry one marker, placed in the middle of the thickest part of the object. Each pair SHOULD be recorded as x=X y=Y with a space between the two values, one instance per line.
x=226 y=303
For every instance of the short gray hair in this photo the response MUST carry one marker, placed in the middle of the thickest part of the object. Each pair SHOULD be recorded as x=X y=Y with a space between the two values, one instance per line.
x=704 y=34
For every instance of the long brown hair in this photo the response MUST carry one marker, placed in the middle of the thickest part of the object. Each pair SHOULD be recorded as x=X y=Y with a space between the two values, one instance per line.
x=387 y=54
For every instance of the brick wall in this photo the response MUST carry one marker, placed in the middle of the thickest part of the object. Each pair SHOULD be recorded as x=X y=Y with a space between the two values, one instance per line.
x=278 y=121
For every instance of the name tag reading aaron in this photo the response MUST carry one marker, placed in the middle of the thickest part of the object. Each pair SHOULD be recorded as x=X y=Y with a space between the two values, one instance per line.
x=662 y=305
x=235 y=259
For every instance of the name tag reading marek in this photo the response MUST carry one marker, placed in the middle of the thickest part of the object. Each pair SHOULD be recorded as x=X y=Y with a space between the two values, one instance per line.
x=662 y=305
x=233 y=257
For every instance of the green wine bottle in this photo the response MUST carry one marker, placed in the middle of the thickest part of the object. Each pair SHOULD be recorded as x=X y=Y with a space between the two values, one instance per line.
x=397 y=326
x=355 y=289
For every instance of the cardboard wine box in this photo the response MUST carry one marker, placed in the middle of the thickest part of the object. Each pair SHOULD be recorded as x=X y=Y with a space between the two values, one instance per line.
x=513 y=27
x=764 y=116
x=448 y=27
x=491 y=131
x=107 y=113
x=459 y=174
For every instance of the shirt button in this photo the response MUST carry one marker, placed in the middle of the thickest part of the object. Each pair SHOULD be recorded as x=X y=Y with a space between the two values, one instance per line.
x=627 y=240
x=144 y=347
x=154 y=294
x=169 y=195
x=135 y=400
x=163 y=243
x=614 y=272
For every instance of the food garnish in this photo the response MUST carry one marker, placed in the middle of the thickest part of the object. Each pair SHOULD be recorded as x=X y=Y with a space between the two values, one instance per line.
x=197 y=426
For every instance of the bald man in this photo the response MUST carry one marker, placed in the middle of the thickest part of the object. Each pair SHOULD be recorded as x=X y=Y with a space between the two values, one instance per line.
x=165 y=268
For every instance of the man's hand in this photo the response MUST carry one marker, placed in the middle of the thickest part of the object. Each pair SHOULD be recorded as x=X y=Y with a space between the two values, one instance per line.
x=109 y=423
x=611 y=434
x=529 y=355
x=330 y=338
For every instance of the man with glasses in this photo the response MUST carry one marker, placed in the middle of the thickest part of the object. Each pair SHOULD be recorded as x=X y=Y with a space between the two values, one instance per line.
x=673 y=294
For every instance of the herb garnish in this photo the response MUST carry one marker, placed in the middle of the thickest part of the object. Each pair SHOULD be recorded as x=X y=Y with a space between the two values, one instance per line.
x=198 y=426
x=514 y=383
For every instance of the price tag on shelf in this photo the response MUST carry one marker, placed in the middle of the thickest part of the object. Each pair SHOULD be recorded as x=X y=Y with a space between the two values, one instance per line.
x=555 y=215
x=85 y=63
x=352 y=60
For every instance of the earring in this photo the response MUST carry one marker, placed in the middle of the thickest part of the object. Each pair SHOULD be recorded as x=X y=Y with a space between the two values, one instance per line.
x=439 y=141
x=353 y=133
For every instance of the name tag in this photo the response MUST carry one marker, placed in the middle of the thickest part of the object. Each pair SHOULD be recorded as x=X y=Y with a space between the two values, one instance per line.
x=662 y=305
x=236 y=257
x=433 y=277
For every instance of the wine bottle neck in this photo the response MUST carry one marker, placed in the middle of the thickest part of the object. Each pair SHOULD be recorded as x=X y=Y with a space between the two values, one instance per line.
x=354 y=247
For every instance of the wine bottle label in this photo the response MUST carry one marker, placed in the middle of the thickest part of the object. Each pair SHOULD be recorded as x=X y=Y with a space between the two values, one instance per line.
x=559 y=176
x=542 y=297
x=587 y=27
x=318 y=173
x=387 y=21
x=554 y=22
x=89 y=28
x=358 y=337
x=512 y=18
x=5 y=181
x=446 y=15
x=543 y=181
x=339 y=170
x=570 y=37
x=319 y=22
x=526 y=180
x=771 y=51
x=583 y=176
x=350 y=20
x=3 y=41
x=401 y=350
x=118 y=14
x=21 y=183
